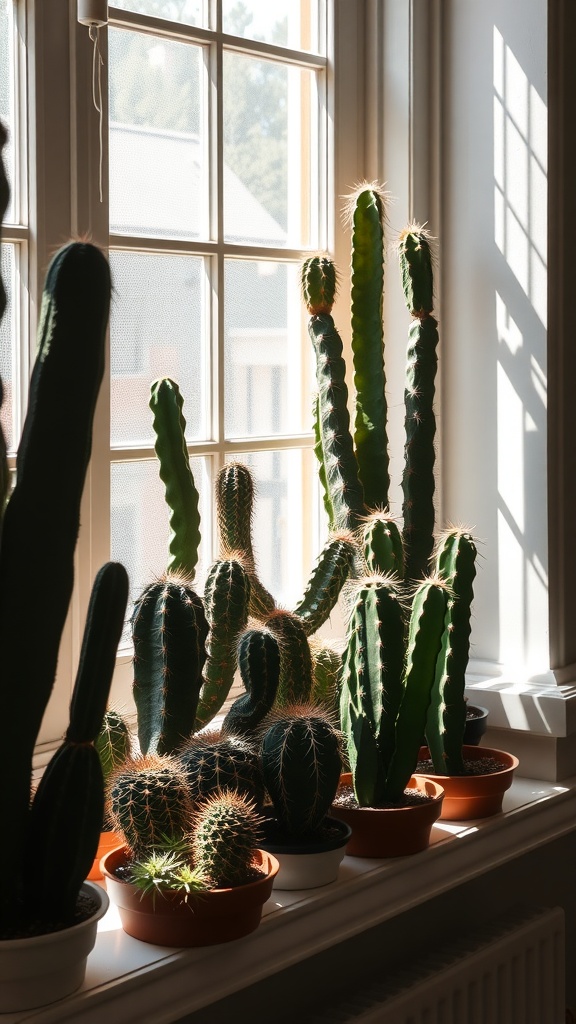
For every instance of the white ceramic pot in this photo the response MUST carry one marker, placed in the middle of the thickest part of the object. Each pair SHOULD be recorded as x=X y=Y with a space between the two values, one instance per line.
x=305 y=865
x=44 y=968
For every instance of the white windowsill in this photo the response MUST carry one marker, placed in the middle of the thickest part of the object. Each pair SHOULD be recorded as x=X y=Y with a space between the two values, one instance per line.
x=129 y=981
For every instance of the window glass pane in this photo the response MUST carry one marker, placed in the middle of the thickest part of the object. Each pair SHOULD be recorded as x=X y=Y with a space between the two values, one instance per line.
x=140 y=522
x=7 y=344
x=267 y=152
x=7 y=98
x=187 y=12
x=285 y=22
x=285 y=484
x=266 y=389
x=157 y=329
x=157 y=141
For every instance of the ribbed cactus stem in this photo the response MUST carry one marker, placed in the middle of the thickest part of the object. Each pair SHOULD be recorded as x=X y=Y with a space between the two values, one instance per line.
x=319 y=453
x=382 y=546
x=332 y=569
x=301 y=764
x=169 y=630
x=67 y=811
x=455 y=562
x=226 y=602
x=259 y=664
x=214 y=762
x=367 y=278
x=235 y=510
x=420 y=424
x=174 y=467
x=113 y=743
x=319 y=284
x=150 y=803
x=295 y=683
x=327 y=675
x=424 y=642
x=227 y=829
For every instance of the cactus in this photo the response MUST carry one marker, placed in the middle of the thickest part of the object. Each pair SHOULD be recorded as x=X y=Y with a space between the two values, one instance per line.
x=234 y=509
x=332 y=569
x=113 y=744
x=295 y=684
x=150 y=803
x=301 y=765
x=327 y=672
x=169 y=631
x=455 y=562
x=259 y=664
x=67 y=811
x=227 y=829
x=382 y=546
x=215 y=762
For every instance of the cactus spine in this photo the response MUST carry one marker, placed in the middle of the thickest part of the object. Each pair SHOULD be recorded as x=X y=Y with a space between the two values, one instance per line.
x=227 y=830
x=301 y=765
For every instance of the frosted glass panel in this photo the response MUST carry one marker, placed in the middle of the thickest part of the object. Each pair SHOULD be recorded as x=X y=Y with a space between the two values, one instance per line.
x=291 y=23
x=158 y=171
x=140 y=522
x=7 y=345
x=7 y=93
x=267 y=152
x=284 y=482
x=156 y=330
x=187 y=12
x=266 y=383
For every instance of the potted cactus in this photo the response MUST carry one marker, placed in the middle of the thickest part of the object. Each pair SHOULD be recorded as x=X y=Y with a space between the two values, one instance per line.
x=48 y=914
x=301 y=767
x=185 y=876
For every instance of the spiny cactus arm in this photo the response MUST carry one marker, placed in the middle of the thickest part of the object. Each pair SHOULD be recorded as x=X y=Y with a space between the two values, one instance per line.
x=318 y=280
x=415 y=257
x=327 y=675
x=331 y=571
x=319 y=453
x=174 y=466
x=455 y=560
x=301 y=765
x=227 y=830
x=235 y=509
x=259 y=664
x=370 y=435
x=424 y=642
x=39 y=537
x=169 y=630
x=382 y=546
x=67 y=810
x=295 y=683
x=226 y=601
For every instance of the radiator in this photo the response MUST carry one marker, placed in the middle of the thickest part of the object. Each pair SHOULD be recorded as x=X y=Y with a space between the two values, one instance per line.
x=509 y=973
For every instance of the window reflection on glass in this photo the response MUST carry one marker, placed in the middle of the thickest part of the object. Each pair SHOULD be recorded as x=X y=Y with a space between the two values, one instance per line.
x=157 y=329
x=158 y=183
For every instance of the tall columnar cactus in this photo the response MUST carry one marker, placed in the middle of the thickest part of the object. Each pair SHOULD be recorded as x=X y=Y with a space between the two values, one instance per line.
x=215 y=762
x=387 y=685
x=169 y=631
x=39 y=536
x=259 y=664
x=150 y=803
x=227 y=829
x=420 y=423
x=67 y=811
x=235 y=510
x=301 y=765
x=295 y=684
x=455 y=562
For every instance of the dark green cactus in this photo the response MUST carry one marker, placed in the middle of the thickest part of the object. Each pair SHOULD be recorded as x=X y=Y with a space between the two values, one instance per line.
x=319 y=453
x=301 y=765
x=420 y=424
x=235 y=509
x=39 y=536
x=332 y=569
x=226 y=601
x=169 y=631
x=455 y=562
x=176 y=475
x=67 y=811
x=319 y=285
x=214 y=762
x=259 y=664
x=150 y=803
x=295 y=685
x=113 y=743
x=327 y=675
x=227 y=830
x=382 y=546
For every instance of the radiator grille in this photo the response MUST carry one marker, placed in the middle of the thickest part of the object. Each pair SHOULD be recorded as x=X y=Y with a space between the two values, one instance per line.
x=509 y=973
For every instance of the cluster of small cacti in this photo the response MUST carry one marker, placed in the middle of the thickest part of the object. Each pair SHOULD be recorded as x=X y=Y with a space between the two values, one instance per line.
x=54 y=836
x=405 y=658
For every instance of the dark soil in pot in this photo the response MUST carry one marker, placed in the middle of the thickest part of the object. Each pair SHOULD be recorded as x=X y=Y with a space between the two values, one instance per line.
x=86 y=907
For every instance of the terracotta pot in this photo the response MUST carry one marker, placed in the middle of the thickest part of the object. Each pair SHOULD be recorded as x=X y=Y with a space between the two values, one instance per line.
x=474 y=796
x=44 y=968
x=476 y=725
x=308 y=865
x=108 y=841
x=392 y=831
x=218 y=915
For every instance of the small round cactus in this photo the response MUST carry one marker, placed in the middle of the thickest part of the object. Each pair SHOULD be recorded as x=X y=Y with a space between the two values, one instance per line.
x=213 y=763
x=150 y=803
x=227 y=829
